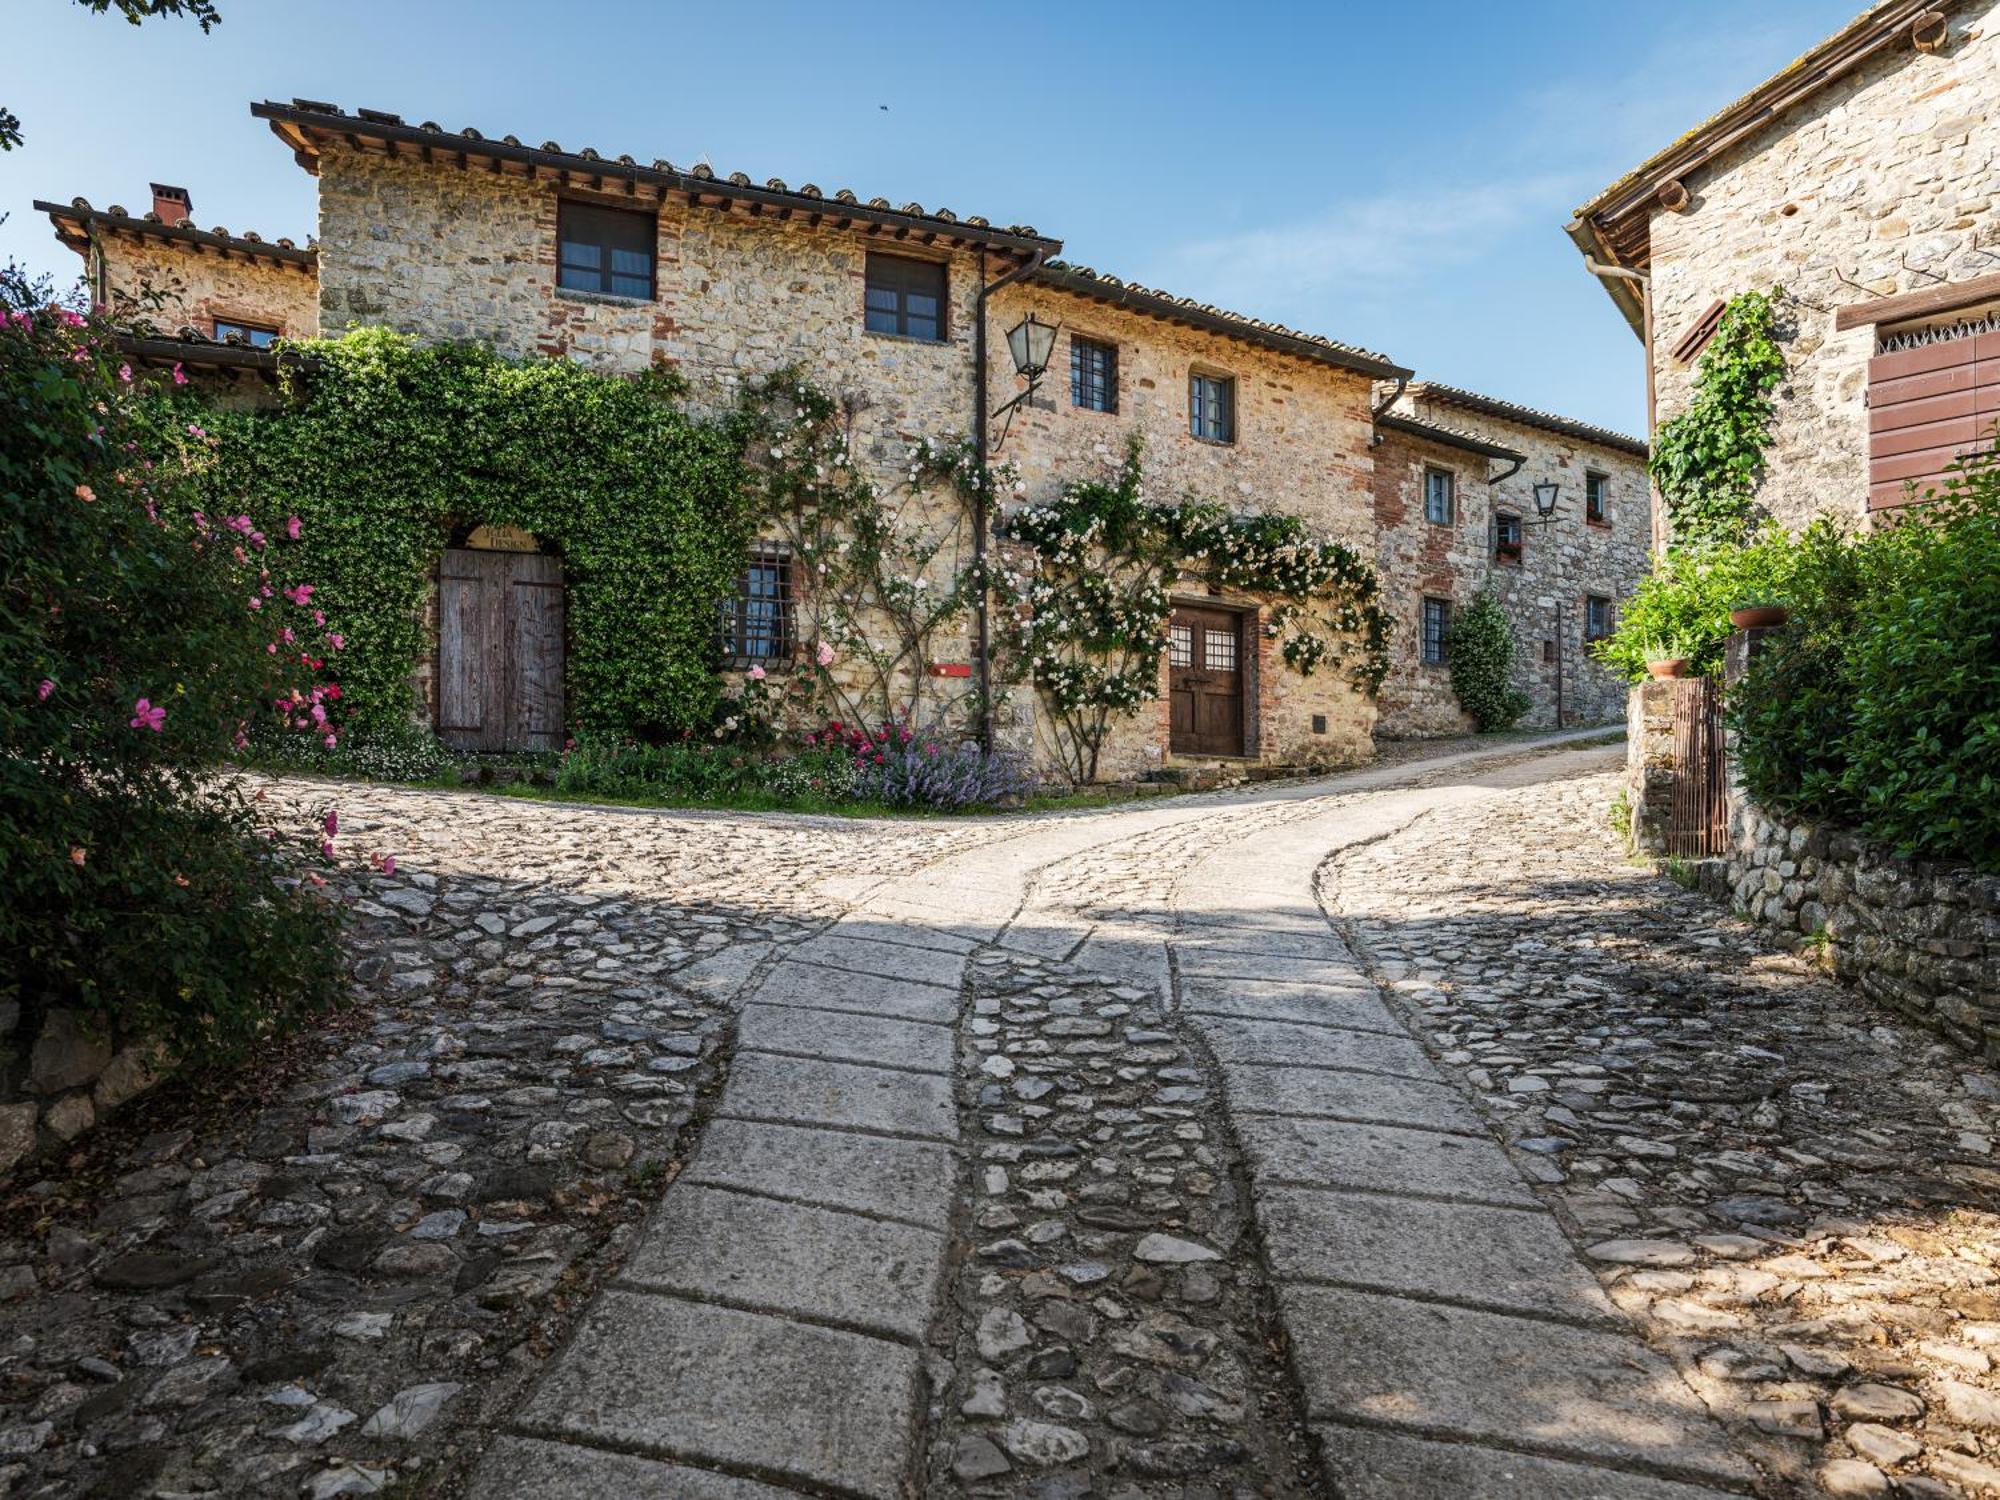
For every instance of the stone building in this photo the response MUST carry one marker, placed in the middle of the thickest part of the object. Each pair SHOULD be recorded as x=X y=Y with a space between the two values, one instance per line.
x=1456 y=512
x=1861 y=181
x=897 y=310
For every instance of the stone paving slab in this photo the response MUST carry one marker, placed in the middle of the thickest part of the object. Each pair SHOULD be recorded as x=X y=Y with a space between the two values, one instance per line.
x=688 y=1380
x=910 y=1181
x=1327 y=1093
x=1316 y=1046
x=1501 y=1258
x=792 y=983
x=944 y=922
x=1389 y=1466
x=1301 y=943
x=884 y=960
x=844 y=1036
x=1043 y=939
x=1248 y=963
x=877 y=925
x=805 y=1091
x=1492 y=1378
x=1351 y=1008
x=785 y=1257
x=1382 y=1158
x=515 y=1468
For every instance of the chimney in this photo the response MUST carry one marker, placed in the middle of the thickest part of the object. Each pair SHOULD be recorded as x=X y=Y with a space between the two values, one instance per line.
x=171 y=203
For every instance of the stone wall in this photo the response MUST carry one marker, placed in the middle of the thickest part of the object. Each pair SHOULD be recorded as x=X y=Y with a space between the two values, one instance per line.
x=1566 y=561
x=1886 y=178
x=58 y=1079
x=171 y=285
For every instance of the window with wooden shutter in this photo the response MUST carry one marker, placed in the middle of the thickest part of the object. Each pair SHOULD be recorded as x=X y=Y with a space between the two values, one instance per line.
x=1933 y=396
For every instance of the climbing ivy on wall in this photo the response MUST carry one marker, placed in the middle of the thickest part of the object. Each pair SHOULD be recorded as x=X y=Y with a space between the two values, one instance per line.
x=1708 y=460
x=386 y=446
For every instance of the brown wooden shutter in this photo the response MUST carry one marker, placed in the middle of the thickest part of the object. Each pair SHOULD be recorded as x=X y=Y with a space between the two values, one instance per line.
x=1926 y=406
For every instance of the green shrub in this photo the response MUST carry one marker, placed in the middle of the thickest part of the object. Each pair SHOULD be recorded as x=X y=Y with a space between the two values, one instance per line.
x=139 y=641
x=1879 y=707
x=1682 y=607
x=398 y=750
x=692 y=770
x=1481 y=650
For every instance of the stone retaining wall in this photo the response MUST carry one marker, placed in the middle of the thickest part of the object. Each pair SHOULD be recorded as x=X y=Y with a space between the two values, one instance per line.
x=58 y=1079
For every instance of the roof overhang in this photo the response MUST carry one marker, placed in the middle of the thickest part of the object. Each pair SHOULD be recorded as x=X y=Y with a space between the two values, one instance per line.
x=76 y=223
x=206 y=354
x=1449 y=437
x=310 y=128
x=1186 y=313
x=1615 y=227
x=1526 y=416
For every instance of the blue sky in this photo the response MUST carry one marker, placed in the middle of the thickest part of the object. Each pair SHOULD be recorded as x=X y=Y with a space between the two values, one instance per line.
x=1396 y=175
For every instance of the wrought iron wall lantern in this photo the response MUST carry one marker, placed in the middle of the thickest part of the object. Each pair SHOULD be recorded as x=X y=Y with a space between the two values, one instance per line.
x=1032 y=343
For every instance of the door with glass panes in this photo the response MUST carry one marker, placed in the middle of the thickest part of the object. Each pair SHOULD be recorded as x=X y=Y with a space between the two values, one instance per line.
x=1205 y=682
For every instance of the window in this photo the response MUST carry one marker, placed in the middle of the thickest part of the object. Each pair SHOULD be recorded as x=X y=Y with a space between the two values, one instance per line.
x=1180 y=645
x=757 y=623
x=1597 y=622
x=1212 y=407
x=1437 y=624
x=256 y=336
x=1440 y=496
x=606 y=250
x=1507 y=537
x=906 y=297
x=1596 y=499
x=1093 y=374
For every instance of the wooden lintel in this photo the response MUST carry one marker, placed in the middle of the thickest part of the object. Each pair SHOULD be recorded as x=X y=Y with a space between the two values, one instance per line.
x=1927 y=303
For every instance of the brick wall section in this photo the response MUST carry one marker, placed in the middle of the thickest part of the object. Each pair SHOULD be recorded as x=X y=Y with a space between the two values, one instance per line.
x=1568 y=560
x=198 y=286
x=1899 y=161
x=1301 y=447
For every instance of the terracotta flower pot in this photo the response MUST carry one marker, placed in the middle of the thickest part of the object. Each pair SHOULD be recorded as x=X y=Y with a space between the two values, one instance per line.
x=1672 y=666
x=1759 y=616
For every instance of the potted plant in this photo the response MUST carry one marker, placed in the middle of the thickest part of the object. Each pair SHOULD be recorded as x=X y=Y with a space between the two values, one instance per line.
x=1669 y=656
x=1759 y=611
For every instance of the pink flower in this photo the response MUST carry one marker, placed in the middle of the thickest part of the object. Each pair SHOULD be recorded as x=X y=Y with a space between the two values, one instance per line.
x=825 y=654
x=194 y=431
x=331 y=822
x=240 y=523
x=386 y=863
x=85 y=493
x=146 y=716
x=125 y=373
x=332 y=740
x=326 y=847
x=180 y=376
x=76 y=856
x=755 y=674
x=255 y=602
x=292 y=527
x=336 y=640
x=43 y=689
x=300 y=594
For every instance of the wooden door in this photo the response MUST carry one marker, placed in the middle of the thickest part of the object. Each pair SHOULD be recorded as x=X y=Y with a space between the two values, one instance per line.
x=1205 y=682
x=500 y=651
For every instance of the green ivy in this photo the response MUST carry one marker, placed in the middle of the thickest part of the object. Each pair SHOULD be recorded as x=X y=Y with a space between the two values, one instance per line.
x=1708 y=460
x=384 y=447
x=1481 y=648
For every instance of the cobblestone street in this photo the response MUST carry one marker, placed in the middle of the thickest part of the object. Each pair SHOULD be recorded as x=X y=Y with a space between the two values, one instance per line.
x=1388 y=1135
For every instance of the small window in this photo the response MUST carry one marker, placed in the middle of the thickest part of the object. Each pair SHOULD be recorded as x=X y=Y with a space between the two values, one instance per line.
x=1440 y=496
x=255 y=335
x=1093 y=374
x=1218 y=650
x=1597 y=621
x=1548 y=651
x=606 y=250
x=906 y=297
x=1437 y=625
x=1507 y=537
x=1212 y=408
x=1597 y=499
x=1180 y=645
x=757 y=623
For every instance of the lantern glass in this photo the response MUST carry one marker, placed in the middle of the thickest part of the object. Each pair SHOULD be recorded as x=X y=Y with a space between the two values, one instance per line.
x=1546 y=493
x=1031 y=342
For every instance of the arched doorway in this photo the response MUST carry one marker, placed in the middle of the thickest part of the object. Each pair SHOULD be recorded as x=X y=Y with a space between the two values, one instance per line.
x=500 y=643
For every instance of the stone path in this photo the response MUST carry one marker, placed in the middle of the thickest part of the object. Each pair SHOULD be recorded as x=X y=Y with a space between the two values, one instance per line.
x=1381 y=1136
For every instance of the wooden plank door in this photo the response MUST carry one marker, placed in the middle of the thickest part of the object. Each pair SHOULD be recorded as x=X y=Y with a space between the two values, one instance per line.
x=1205 y=682
x=500 y=651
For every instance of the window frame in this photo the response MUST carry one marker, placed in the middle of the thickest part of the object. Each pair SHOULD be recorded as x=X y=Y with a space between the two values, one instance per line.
x=1450 y=478
x=1504 y=549
x=1444 y=609
x=1596 y=497
x=736 y=612
x=565 y=207
x=247 y=328
x=1225 y=402
x=1594 y=604
x=884 y=261
x=1078 y=344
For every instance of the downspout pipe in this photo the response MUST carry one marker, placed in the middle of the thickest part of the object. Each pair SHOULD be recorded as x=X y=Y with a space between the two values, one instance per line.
x=981 y=517
x=1645 y=282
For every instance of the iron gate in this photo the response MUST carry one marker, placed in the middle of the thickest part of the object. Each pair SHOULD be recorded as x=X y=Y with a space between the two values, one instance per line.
x=1699 y=826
